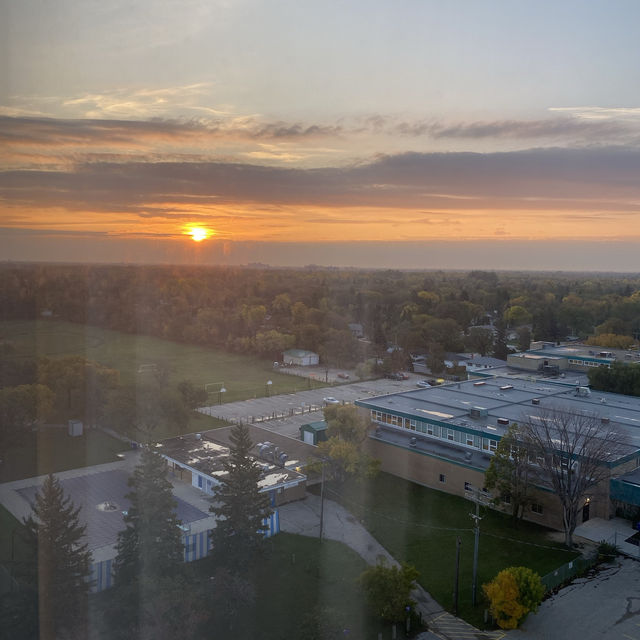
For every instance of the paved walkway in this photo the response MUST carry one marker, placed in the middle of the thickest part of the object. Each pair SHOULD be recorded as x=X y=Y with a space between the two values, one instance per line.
x=616 y=531
x=303 y=517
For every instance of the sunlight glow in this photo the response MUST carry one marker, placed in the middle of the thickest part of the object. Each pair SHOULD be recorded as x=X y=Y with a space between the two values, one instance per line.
x=198 y=234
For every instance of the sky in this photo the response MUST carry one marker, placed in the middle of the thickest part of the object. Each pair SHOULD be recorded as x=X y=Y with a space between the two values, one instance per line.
x=395 y=134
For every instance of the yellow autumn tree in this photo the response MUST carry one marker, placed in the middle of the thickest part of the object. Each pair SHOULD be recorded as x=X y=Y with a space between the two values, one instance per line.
x=513 y=594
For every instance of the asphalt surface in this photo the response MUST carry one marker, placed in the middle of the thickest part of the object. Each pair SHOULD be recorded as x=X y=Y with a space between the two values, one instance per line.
x=605 y=604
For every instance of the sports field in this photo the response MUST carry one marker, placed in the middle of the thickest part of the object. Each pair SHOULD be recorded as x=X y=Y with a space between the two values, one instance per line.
x=137 y=357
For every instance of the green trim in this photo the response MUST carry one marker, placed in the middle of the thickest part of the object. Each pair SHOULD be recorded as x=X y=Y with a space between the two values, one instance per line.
x=433 y=421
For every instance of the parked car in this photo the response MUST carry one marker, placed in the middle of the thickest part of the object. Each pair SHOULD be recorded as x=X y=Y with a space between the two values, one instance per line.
x=394 y=376
x=331 y=400
x=344 y=376
x=403 y=375
x=423 y=384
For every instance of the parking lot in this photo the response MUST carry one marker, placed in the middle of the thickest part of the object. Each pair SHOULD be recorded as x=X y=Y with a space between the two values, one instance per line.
x=285 y=413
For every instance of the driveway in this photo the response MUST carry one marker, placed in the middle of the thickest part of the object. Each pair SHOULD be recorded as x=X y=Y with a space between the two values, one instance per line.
x=604 y=605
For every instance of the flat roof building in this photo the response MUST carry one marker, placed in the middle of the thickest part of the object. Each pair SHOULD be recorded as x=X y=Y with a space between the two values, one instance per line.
x=444 y=436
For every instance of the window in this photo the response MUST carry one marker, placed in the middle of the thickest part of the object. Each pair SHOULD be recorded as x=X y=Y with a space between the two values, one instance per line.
x=493 y=445
x=443 y=478
x=200 y=482
x=469 y=440
x=449 y=434
x=506 y=499
x=536 y=508
x=467 y=486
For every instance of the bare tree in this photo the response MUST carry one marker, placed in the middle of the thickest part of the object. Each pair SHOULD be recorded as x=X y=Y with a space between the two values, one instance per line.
x=572 y=450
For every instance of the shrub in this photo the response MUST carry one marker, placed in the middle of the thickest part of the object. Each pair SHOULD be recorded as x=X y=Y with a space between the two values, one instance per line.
x=607 y=550
x=513 y=594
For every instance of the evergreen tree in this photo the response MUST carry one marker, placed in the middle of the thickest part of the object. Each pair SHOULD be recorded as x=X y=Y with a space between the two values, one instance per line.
x=61 y=563
x=149 y=564
x=151 y=544
x=240 y=507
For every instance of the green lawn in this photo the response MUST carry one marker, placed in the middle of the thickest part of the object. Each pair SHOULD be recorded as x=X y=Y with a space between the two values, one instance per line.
x=299 y=583
x=52 y=450
x=242 y=376
x=420 y=526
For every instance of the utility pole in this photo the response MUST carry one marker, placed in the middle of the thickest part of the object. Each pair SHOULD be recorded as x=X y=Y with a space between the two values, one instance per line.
x=476 y=527
x=455 y=584
x=322 y=501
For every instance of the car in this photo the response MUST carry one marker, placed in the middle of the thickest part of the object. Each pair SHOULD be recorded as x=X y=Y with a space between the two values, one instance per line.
x=394 y=376
x=423 y=384
x=344 y=376
x=403 y=375
x=330 y=400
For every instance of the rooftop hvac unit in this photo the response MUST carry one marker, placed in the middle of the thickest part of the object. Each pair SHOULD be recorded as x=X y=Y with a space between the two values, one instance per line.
x=605 y=420
x=506 y=387
x=503 y=420
x=478 y=412
x=535 y=400
x=412 y=442
x=479 y=384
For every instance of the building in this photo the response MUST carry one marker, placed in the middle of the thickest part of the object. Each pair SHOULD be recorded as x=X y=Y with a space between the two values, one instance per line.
x=198 y=458
x=569 y=357
x=443 y=437
x=300 y=357
x=314 y=432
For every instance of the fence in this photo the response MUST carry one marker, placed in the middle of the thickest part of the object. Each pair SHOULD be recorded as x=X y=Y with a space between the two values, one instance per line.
x=567 y=571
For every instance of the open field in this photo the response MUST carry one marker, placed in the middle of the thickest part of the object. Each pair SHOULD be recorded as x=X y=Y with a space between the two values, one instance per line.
x=52 y=450
x=298 y=583
x=135 y=356
x=420 y=526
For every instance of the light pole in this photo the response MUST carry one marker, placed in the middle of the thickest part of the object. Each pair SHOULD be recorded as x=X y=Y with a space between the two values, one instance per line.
x=268 y=388
x=220 y=392
x=322 y=500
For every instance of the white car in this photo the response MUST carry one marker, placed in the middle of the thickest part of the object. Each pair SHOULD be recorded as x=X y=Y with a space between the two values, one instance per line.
x=423 y=384
x=331 y=400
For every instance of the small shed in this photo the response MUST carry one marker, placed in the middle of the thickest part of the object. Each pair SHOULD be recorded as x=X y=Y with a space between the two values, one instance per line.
x=314 y=432
x=300 y=357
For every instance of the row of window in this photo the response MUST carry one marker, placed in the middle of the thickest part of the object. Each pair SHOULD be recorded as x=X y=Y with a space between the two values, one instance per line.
x=436 y=431
x=588 y=363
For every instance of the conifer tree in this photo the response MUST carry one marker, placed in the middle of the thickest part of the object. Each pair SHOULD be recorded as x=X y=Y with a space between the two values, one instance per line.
x=151 y=544
x=61 y=563
x=148 y=567
x=240 y=507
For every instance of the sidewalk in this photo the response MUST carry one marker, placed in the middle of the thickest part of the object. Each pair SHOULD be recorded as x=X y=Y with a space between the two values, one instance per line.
x=303 y=518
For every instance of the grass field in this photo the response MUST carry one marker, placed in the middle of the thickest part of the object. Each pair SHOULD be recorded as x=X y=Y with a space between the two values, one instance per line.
x=52 y=450
x=242 y=376
x=420 y=526
x=299 y=584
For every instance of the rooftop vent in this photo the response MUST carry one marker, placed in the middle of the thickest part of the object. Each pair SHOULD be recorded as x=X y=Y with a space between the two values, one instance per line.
x=503 y=420
x=506 y=387
x=535 y=400
x=479 y=384
x=605 y=420
x=478 y=412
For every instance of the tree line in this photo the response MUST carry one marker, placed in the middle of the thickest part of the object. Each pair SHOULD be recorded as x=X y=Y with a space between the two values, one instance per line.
x=266 y=311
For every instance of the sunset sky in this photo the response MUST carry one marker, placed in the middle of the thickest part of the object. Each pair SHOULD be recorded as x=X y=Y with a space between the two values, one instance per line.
x=415 y=133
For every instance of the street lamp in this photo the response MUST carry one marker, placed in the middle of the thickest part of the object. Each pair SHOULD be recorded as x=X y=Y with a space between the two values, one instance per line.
x=268 y=388
x=220 y=392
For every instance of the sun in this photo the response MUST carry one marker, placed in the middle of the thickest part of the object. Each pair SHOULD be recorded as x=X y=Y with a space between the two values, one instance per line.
x=198 y=234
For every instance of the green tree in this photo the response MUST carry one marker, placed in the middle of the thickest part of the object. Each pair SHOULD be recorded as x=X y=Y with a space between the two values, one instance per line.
x=342 y=451
x=239 y=505
x=388 y=589
x=61 y=563
x=150 y=546
x=524 y=338
x=21 y=408
x=480 y=340
x=509 y=473
x=150 y=553
x=513 y=594
x=192 y=396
